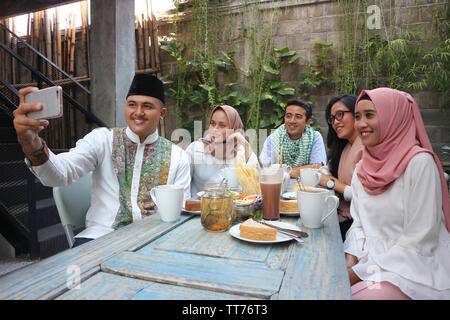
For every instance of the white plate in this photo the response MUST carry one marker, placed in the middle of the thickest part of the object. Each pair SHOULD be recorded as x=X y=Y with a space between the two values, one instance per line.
x=289 y=196
x=234 y=231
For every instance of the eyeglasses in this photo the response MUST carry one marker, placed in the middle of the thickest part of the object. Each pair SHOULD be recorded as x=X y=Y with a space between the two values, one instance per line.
x=338 y=116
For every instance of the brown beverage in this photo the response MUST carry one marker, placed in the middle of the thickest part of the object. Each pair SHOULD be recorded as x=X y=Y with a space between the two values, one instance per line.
x=271 y=200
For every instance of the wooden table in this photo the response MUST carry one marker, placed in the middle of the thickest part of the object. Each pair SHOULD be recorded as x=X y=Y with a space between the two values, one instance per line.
x=150 y=259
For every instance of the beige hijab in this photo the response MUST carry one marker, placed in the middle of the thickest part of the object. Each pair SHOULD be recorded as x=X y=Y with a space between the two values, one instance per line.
x=227 y=149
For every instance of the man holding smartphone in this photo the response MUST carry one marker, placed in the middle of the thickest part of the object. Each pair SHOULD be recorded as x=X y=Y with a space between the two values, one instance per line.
x=126 y=163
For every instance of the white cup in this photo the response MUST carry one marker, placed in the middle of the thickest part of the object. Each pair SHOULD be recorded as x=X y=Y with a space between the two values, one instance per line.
x=310 y=176
x=169 y=201
x=229 y=173
x=315 y=206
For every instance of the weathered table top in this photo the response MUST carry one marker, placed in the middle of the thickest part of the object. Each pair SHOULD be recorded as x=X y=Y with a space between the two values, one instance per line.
x=150 y=259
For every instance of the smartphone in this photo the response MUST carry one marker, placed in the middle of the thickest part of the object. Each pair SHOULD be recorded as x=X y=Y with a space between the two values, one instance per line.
x=51 y=99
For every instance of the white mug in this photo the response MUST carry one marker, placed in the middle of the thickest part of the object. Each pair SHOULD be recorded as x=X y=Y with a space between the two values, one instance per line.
x=310 y=176
x=169 y=201
x=315 y=206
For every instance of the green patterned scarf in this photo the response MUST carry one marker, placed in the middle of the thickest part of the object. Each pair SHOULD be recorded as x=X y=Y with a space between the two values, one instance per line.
x=295 y=152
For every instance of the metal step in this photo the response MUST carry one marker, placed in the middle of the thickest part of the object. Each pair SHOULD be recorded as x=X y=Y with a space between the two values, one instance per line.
x=16 y=192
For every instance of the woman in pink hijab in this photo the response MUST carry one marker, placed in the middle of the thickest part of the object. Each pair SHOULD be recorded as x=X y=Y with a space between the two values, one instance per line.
x=398 y=246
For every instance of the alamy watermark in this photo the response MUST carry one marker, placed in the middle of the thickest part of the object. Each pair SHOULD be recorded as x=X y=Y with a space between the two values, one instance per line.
x=73 y=273
x=374 y=20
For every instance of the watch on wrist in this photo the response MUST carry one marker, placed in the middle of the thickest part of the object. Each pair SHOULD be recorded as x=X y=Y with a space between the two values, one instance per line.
x=37 y=152
x=330 y=184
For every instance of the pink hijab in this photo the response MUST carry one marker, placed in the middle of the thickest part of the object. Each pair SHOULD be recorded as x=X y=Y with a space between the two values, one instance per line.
x=402 y=136
x=230 y=147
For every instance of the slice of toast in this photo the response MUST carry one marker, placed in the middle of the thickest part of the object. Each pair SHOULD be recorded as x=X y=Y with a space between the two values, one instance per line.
x=250 y=229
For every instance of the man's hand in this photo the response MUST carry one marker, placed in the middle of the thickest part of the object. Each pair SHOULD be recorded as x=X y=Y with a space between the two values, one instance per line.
x=27 y=129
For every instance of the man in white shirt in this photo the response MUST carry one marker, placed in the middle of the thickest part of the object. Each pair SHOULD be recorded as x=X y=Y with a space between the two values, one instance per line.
x=301 y=145
x=126 y=163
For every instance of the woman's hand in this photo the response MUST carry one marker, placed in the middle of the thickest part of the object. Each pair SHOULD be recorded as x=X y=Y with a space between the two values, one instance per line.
x=323 y=181
x=239 y=138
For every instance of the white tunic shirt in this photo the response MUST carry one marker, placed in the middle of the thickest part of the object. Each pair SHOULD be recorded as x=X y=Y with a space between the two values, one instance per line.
x=400 y=236
x=206 y=168
x=93 y=153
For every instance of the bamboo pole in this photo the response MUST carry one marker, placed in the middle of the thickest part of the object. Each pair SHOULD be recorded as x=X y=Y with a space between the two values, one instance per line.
x=48 y=42
x=140 y=47
x=84 y=34
x=136 y=37
x=58 y=39
x=68 y=42
x=65 y=49
x=146 y=48
x=152 y=45
x=72 y=46
x=41 y=32
x=155 y=41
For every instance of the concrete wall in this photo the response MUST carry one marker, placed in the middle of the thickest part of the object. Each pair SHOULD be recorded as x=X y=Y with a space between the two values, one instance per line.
x=298 y=23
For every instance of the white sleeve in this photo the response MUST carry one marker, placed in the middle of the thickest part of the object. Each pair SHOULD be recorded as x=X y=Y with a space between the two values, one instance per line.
x=348 y=193
x=67 y=167
x=355 y=237
x=182 y=175
x=266 y=156
x=318 y=152
x=190 y=151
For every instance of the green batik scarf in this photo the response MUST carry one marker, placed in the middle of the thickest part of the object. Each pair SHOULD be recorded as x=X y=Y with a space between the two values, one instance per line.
x=154 y=172
x=296 y=153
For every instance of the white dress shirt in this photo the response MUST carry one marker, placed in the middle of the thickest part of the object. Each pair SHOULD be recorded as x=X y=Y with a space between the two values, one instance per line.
x=93 y=153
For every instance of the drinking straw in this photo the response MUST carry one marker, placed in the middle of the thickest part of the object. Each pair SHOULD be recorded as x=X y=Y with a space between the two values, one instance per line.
x=281 y=156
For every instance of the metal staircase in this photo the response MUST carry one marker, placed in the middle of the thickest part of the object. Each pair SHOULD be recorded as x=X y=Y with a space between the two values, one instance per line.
x=28 y=216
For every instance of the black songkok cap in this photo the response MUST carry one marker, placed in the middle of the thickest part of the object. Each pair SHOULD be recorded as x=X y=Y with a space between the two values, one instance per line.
x=147 y=85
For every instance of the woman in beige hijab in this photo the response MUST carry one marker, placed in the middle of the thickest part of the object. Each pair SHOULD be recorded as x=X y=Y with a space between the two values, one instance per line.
x=224 y=142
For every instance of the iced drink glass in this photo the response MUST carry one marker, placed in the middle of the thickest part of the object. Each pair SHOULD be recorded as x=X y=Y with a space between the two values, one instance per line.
x=270 y=179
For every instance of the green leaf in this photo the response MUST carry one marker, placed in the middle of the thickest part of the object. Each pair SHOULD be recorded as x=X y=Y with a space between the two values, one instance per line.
x=286 y=91
x=285 y=52
x=269 y=69
x=267 y=96
x=296 y=57
x=206 y=87
x=220 y=62
x=273 y=84
x=226 y=55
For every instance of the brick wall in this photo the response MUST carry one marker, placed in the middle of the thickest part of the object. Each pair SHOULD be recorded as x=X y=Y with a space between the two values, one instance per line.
x=298 y=22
